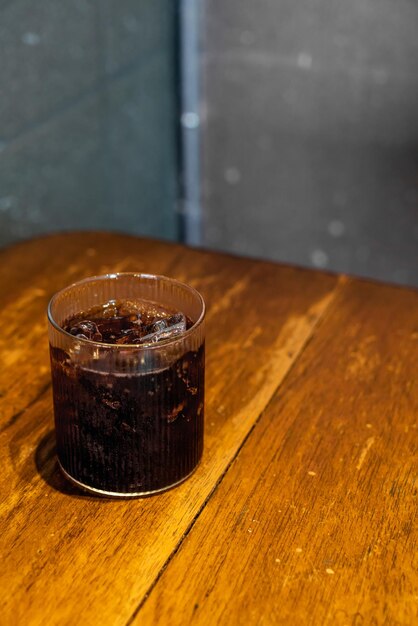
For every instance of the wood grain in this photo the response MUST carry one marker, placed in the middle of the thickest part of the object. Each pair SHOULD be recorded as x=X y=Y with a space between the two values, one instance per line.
x=316 y=521
x=68 y=557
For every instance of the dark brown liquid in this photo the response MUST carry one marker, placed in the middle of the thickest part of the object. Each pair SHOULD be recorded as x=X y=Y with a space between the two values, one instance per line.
x=128 y=433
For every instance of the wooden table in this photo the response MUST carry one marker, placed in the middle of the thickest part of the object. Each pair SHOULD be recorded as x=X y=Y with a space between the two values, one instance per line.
x=303 y=510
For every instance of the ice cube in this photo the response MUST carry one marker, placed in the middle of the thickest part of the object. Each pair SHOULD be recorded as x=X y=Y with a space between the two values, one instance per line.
x=130 y=311
x=177 y=318
x=166 y=328
x=111 y=328
x=128 y=335
x=86 y=329
x=110 y=309
x=159 y=325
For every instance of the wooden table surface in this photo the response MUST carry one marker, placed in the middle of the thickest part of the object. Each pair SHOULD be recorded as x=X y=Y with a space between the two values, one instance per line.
x=304 y=508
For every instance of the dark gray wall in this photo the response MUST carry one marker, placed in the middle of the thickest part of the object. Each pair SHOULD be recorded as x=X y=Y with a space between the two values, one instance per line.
x=87 y=117
x=310 y=135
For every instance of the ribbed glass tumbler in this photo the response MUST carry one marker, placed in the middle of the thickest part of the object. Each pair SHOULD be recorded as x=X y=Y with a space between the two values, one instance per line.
x=128 y=418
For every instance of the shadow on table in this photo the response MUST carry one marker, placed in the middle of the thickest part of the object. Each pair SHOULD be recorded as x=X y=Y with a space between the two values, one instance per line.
x=47 y=465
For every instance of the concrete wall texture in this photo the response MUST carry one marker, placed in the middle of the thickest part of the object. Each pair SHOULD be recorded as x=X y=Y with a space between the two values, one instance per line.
x=87 y=117
x=310 y=133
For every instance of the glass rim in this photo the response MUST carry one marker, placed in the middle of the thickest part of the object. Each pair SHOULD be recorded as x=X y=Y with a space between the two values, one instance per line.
x=125 y=346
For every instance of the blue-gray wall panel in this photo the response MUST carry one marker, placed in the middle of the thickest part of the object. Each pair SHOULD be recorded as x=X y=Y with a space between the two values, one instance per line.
x=88 y=117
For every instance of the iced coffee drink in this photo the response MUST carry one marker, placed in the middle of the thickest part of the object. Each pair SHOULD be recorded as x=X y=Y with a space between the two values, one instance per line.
x=127 y=362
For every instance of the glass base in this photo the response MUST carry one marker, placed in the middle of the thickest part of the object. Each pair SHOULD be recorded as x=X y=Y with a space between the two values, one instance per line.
x=118 y=494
